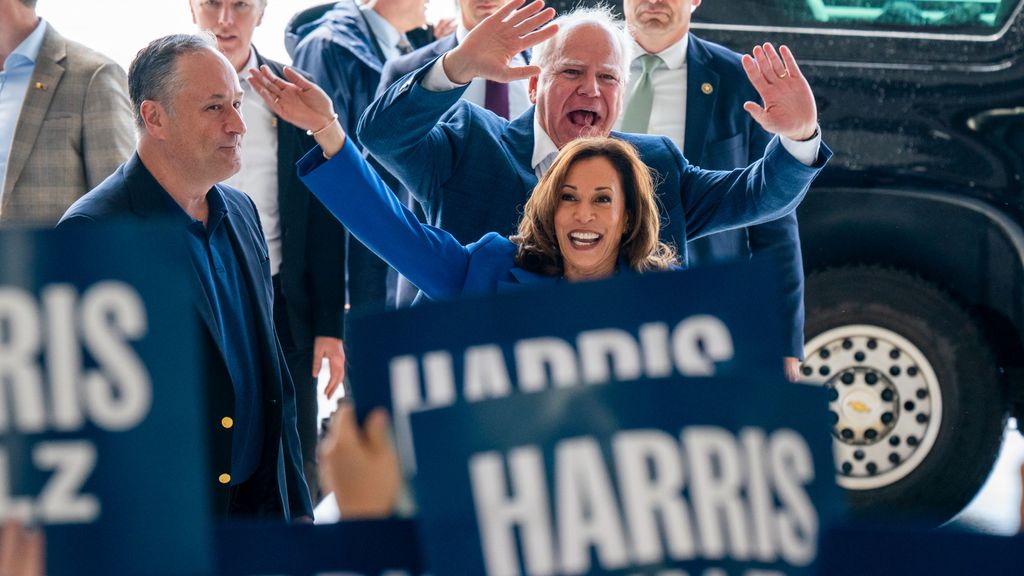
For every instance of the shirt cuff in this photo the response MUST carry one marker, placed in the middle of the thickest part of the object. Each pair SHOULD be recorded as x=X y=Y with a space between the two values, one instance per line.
x=436 y=80
x=805 y=151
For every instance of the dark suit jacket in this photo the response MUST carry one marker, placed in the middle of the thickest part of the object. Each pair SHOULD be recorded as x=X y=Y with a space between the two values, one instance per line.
x=132 y=193
x=312 y=272
x=721 y=135
x=341 y=53
x=471 y=170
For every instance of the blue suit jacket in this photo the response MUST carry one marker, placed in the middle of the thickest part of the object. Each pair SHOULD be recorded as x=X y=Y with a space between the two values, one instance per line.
x=720 y=135
x=471 y=170
x=132 y=193
x=340 y=52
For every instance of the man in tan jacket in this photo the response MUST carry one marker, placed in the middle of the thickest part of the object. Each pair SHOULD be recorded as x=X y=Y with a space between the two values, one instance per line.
x=65 y=122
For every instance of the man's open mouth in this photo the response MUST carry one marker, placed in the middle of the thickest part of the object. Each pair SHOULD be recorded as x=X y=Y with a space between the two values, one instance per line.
x=583 y=118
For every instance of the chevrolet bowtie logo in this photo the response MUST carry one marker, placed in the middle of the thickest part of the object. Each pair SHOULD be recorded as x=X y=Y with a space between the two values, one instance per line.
x=858 y=406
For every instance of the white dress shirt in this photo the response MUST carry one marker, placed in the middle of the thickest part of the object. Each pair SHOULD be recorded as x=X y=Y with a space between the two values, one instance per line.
x=388 y=37
x=258 y=176
x=668 y=79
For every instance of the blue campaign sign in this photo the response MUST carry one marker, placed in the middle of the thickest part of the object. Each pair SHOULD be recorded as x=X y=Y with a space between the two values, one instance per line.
x=724 y=476
x=350 y=548
x=100 y=400
x=711 y=321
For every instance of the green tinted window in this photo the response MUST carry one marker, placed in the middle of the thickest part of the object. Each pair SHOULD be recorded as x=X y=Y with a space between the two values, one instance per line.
x=979 y=16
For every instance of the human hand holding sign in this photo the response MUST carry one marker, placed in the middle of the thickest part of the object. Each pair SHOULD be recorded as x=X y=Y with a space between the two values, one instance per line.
x=488 y=49
x=360 y=465
x=302 y=103
x=789 y=109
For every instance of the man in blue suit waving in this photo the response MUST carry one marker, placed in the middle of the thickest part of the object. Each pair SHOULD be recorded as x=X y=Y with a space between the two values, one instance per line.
x=692 y=91
x=472 y=170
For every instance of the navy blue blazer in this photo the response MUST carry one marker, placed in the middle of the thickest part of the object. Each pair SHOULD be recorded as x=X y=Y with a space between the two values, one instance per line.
x=132 y=193
x=721 y=135
x=471 y=170
x=341 y=53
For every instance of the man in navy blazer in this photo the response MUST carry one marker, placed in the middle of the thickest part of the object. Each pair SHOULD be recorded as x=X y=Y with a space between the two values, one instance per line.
x=306 y=244
x=186 y=99
x=698 y=89
x=472 y=171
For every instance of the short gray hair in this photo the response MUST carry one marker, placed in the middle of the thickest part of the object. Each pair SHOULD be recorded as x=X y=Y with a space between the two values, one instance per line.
x=602 y=16
x=153 y=73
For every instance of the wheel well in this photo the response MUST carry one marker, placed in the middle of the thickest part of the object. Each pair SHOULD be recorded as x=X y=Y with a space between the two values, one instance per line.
x=966 y=248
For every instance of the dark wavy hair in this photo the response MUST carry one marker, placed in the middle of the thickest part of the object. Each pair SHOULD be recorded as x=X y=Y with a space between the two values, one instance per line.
x=640 y=247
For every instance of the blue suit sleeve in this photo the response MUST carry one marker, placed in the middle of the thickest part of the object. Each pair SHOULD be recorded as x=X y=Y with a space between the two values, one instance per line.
x=780 y=240
x=432 y=259
x=404 y=131
x=766 y=190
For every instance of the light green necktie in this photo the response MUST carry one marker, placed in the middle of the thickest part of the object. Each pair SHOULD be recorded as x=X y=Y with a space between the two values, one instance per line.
x=638 y=111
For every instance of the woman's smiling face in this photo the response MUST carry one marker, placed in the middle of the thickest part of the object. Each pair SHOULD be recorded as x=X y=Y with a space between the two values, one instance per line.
x=590 y=219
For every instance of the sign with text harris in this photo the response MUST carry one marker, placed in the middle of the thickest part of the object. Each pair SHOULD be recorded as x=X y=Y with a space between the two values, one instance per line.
x=638 y=425
x=100 y=400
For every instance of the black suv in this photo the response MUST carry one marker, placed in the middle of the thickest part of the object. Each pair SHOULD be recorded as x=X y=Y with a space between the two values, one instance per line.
x=912 y=237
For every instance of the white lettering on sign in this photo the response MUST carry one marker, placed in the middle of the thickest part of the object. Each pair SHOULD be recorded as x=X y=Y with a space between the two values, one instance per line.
x=709 y=494
x=115 y=395
x=61 y=500
x=66 y=361
x=693 y=347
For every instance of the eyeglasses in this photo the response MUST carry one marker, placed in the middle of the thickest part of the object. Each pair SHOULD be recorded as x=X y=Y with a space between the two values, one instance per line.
x=241 y=7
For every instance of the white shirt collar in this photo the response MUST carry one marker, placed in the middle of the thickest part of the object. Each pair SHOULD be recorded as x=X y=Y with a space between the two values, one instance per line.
x=30 y=46
x=387 y=35
x=249 y=65
x=543 y=146
x=460 y=31
x=674 y=56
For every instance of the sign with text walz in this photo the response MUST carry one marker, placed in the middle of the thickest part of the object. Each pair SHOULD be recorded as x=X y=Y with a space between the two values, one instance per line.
x=100 y=400
x=638 y=425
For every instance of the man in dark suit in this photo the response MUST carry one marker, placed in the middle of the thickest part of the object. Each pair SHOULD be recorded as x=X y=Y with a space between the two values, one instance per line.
x=472 y=171
x=186 y=99
x=692 y=91
x=344 y=51
x=307 y=245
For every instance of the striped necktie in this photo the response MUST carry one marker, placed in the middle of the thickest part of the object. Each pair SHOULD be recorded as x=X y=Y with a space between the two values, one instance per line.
x=637 y=117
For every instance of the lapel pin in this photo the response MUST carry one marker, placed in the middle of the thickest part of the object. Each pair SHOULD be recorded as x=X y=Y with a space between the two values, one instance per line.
x=707 y=88
x=273 y=122
x=40 y=86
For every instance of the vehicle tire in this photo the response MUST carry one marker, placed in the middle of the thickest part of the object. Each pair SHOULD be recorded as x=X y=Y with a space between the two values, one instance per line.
x=916 y=399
